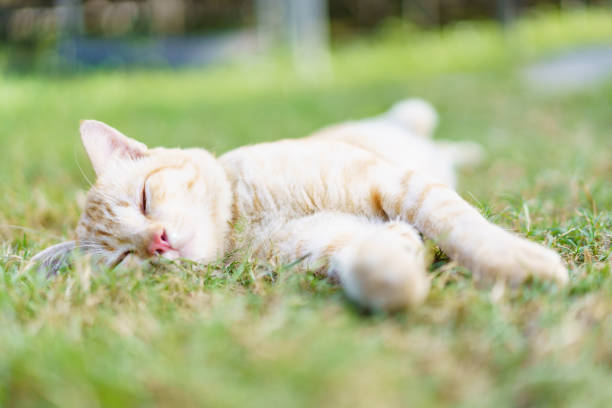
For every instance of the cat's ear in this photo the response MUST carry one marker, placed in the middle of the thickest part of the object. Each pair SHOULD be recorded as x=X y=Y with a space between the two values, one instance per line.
x=103 y=142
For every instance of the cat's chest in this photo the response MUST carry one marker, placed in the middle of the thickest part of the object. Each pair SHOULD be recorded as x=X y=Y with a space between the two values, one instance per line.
x=298 y=177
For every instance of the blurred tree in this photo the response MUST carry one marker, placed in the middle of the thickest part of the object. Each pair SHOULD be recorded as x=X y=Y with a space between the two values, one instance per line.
x=70 y=17
x=299 y=25
x=429 y=9
x=38 y=20
x=506 y=10
x=30 y=22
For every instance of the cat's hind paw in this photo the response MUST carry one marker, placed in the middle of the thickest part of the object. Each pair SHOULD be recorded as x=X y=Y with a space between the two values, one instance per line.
x=382 y=274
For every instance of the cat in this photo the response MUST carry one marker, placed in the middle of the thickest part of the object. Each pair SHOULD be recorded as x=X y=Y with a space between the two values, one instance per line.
x=351 y=200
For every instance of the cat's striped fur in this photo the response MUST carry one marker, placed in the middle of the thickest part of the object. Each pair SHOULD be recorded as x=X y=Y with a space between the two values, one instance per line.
x=349 y=200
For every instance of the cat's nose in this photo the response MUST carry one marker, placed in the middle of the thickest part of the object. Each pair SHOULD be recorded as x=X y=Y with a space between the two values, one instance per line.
x=159 y=243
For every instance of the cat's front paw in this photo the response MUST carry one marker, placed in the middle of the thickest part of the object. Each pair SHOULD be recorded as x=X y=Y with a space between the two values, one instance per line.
x=515 y=259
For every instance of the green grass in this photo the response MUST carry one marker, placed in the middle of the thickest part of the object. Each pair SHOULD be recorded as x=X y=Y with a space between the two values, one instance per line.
x=186 y=335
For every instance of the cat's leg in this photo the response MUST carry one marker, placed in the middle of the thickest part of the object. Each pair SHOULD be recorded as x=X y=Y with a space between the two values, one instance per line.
x=466 y=236
x=379 y=265
x=462 y=154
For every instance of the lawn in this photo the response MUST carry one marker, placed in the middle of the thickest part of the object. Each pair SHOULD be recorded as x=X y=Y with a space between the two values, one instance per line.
x=190 y=335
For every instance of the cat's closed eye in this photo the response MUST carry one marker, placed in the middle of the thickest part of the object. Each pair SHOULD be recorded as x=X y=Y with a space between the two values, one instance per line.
x=143 y=200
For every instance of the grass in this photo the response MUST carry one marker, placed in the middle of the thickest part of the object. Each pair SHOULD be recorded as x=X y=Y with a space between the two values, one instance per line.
x=187 y=335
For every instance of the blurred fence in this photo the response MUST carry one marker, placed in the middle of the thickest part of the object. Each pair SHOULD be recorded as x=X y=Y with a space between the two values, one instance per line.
x=96 y=29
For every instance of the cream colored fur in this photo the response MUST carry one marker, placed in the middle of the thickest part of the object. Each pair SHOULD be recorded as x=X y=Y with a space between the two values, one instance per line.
x=349 y=200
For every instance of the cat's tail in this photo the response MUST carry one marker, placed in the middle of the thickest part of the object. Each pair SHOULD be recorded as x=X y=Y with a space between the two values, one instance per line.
x=415 y=115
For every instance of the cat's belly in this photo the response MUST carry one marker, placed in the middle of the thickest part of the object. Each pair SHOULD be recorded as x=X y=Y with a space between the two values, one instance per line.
x=294 y=178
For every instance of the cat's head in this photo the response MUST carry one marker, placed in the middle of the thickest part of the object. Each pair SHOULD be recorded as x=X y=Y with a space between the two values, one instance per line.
x=151 y=202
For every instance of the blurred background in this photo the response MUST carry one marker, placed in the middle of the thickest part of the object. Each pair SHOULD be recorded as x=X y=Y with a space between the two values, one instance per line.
x=76 y=33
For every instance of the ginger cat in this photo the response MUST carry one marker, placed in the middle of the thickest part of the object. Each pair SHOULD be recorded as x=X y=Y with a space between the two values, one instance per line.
x=350 y=199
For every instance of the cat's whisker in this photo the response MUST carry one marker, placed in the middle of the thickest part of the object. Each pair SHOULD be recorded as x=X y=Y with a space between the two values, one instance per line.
x=89 y=248
x=76 y=160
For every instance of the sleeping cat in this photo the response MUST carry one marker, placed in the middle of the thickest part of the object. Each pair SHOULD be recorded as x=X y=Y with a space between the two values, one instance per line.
x=349 y=200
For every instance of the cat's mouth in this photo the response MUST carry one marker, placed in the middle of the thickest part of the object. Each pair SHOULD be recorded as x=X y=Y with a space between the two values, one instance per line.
x=171 y=254
x=161 y=247
x=121 y=258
